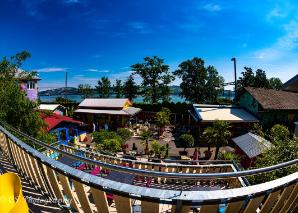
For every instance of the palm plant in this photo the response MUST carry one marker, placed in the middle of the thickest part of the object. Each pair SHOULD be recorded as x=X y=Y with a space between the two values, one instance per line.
x=145 y=137
x=218 y=134
x=163 y=119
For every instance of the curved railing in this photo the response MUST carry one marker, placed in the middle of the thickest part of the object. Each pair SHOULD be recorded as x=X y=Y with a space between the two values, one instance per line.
x=83 y=192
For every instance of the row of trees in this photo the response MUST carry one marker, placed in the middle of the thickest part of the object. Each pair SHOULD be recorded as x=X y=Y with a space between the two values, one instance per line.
x=200 y=83
x=257 y=79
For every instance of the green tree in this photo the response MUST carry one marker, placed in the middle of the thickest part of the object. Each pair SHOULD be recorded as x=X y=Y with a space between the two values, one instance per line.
x=130 y=89
x=156 y=79
x=279 y=133
x=283 y=150
x=229 y=156
x=162 y=119
x=118 y=88
x=257 y=129
x=187 y=140
x=218 y=134
x=200 y=84
x=85 y=90
x=158 y=149
x=103 y=87
x=145 y=137
x=15 y=108
x=124 y=133
x=107 y=141
x=258 y=79
x=275 y=83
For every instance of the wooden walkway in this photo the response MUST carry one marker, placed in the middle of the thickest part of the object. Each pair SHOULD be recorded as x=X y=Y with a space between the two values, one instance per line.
x=36 y=201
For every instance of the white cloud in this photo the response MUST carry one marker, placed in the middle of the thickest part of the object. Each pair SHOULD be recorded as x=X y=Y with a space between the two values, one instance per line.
x=72 y=1
x=212 y=7
x=97 y=70
x=140 y=27
x=276 y=13
x=52 y=69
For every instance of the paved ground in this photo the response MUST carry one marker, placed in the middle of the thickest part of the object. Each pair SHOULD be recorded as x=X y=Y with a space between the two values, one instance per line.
x=168 y=138
x=36 y=201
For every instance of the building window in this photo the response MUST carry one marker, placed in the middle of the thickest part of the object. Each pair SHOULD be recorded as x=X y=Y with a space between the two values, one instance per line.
x=30 y=85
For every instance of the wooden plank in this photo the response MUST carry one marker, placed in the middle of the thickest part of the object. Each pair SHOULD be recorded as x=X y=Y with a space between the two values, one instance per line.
x=253 y=204
x=40 y=181
x=184 y=209
x=123 y=204
x=69 y=193
x=283 y=197
x=149 y=207
x=54 y=183
x=82 y=196
x=234 y=206
x=290 y=200
x=100 y=200
x=270 y=201
x=209 y=208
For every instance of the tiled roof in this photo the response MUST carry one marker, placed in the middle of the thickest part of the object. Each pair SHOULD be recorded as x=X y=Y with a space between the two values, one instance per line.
x=273 y=99
x=252 y=145
x=53 y=120
x=292 y=84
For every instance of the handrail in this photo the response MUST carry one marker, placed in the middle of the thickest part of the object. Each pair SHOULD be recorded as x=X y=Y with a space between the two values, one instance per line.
x=171 y=175
x=142 y=193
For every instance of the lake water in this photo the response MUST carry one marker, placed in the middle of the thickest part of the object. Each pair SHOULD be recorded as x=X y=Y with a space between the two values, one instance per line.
x=139 y=99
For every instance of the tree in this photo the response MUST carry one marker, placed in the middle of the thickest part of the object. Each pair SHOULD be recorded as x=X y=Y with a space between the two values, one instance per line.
x=187 y=140
x=103 y=87
x=163 y=119
x=257 y=129
x=199 y=84
x=155 y=79
x=259 y=80
x=145 y=137
x=284 y=149
x=229 y=156
x=15 y=108
x=130 y=89
x=275 y=83
x=218 y=134
x=158 y=149
x=118 y=88
x=279 y=133
x=124 y=133
x=85 y=90
x=107 y=140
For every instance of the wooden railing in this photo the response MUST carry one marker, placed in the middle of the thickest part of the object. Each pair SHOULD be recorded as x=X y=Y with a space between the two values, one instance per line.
x=83 y=192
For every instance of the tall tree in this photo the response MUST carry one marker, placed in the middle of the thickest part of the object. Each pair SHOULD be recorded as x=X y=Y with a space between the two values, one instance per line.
x=162 y=119
x=103 y=87
x=218 y=134
x=156 y=79
x=130 y=89
x=85 y=90
x=257 y=79
x=118 y=88
x=275 y=83
x=200 y=84
x=15 y=108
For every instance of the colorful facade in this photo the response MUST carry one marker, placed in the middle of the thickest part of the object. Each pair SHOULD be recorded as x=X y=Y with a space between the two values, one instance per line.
x=30 y=87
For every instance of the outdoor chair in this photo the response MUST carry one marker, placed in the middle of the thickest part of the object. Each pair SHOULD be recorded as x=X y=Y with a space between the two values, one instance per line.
x=82 y=167
x=95 y=171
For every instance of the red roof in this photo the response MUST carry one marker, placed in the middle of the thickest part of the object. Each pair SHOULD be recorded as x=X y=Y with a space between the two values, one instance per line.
x=53 y=120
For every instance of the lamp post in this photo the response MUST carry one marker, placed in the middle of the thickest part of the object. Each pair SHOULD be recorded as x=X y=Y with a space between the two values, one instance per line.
x=235 y=75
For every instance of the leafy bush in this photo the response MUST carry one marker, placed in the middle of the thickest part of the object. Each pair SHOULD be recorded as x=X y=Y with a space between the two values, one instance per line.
x=124 y=133
x=279 y=133
x=158 y=149
x=107 y=140
x=187 y=140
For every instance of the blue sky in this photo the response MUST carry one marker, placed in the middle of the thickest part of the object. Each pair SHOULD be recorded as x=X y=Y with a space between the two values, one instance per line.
x=94 y=38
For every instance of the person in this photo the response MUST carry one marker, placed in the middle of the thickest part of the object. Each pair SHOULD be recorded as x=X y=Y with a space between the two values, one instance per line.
x=106 y=126
x=94 y=127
